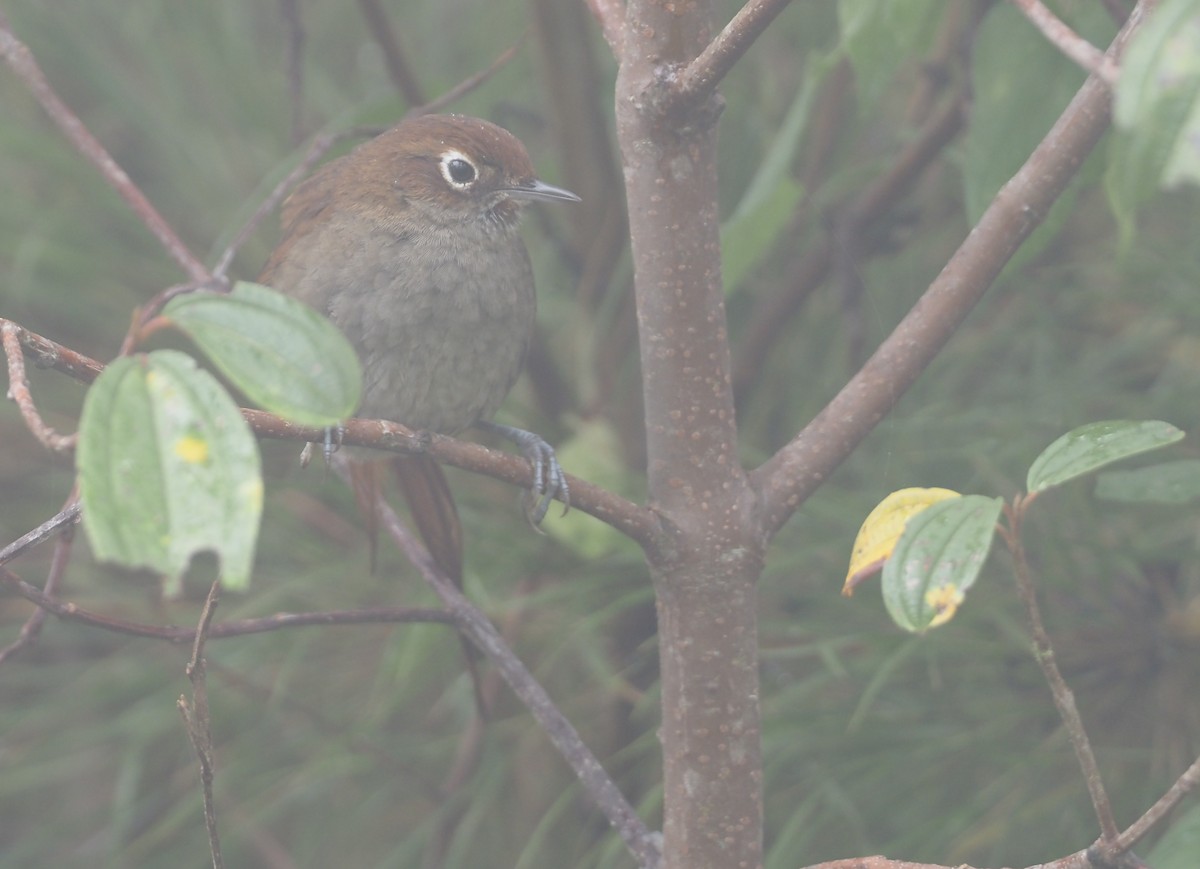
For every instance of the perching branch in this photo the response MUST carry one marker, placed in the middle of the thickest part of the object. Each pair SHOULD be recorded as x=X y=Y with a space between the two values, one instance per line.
x=637 y=522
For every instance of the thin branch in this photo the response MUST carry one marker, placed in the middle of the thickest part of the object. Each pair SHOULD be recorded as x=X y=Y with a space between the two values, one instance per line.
x=482 y=633
x=222 y=630
x=610 y=15
x=393 y=57
x=470 y=83
x=1070 y=43
x=787 y=479
x=1064 y=699
x=49 y=354
x=58 y=568
x=1078 y=860
x=66 y=516
x=19 y=58
x=293 y=25
x=1184 y=785
x=699 y=80
x=197 y=720
x=636 y=522
x=18 y=390
x=316 y=150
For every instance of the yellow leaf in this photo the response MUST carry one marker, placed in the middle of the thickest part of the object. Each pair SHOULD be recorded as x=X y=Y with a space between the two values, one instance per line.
x=882 y=529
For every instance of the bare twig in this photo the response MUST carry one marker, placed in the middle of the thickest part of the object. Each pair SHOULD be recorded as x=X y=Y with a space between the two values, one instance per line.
x=58 y=568
x=1064 y=698
x=66 y=516
x=483 y=634
x=222 y=630
x=470 y=83
x=796 y=471
x=637 y=522
x=18 y=391
x=610 y=15
x=316 y=150
x=198 y=722
x=698 y=81
x=48 y=354
x=22 y=62
x=293 y=24
x=1070 y=43
x=1184 y=785
x=393 y=57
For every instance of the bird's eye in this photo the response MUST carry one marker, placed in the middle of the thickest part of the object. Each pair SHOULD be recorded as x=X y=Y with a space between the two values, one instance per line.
x=458 y=171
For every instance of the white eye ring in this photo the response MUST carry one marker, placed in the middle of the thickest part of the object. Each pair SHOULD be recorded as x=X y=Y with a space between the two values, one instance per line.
x=458 y=169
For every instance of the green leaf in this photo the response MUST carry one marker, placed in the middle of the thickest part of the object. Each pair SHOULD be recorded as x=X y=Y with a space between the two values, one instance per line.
x=168 y=468
x=1167 y=483
x=282 y=354
x=1158 y=97
x=1095 y=445
x=937 y=559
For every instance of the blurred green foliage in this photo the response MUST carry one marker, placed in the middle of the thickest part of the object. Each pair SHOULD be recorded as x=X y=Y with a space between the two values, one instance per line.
x=333 y=744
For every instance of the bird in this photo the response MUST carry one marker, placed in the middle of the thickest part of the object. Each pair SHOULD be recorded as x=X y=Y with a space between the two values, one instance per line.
x=410 y=245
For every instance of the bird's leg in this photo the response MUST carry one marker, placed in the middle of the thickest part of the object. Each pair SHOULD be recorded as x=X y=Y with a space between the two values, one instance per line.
x=549 y=481
x=333 y=441
x=331 y=444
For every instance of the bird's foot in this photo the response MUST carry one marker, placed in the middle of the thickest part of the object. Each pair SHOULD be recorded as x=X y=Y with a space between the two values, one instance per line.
x=331 y=444
x=549 y=481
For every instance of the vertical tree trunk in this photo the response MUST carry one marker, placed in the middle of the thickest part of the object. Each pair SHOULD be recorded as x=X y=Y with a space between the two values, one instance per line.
x=706 y=568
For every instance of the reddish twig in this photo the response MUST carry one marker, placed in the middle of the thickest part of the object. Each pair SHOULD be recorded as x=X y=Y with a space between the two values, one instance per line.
x=293 y=25
x=698 y=81
x=483 y=635
x=1070 y=43
x=18 y=390
x=49 y=354
x=610 y=15
x=222 y=630
x=1064 y=698
x=22 y=62
x=636 y=522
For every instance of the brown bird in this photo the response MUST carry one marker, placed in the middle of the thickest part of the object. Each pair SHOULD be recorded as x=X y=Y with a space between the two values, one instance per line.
x=410 y=245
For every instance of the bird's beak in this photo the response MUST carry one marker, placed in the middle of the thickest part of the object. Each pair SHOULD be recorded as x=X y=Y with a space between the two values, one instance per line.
x=541 y=190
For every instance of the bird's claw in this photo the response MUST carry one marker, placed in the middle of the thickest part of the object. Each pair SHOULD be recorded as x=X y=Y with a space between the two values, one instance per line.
x=549 y=480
